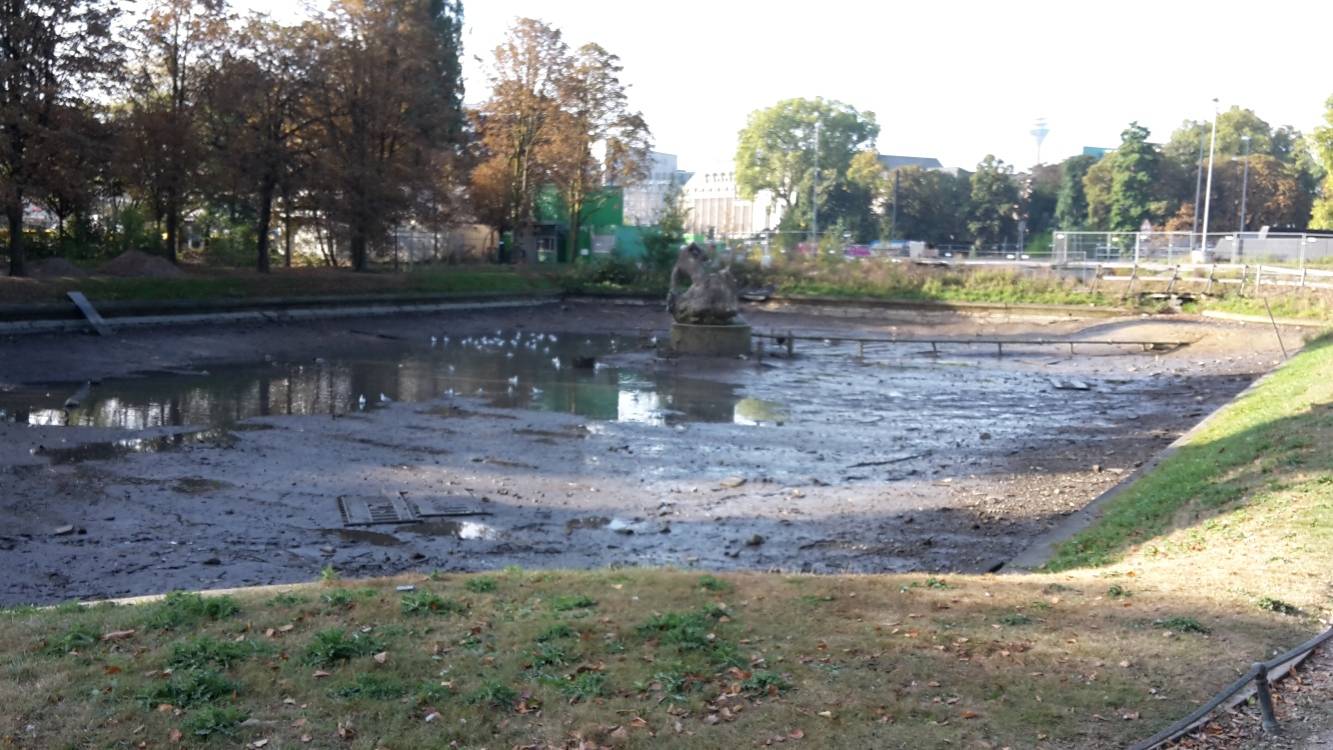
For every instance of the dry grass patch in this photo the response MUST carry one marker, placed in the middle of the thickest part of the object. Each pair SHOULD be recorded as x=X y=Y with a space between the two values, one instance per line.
x=644 y=658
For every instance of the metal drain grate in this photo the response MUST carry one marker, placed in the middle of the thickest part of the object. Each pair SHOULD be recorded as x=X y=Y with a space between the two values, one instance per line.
x=369 y=511
x=448 y=505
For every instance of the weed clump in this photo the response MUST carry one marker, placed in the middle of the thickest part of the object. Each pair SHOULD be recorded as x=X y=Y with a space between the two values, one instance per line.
x=212 y=721
x=180 y=609
x=193 y=687
x=206 y=651
x=571 y=602
x=1183 y=625
x=426 y=602
x=334 y=645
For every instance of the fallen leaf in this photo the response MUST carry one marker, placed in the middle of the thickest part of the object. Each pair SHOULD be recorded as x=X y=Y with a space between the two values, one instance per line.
x=112 y=669
x=970 y=714
x=826 y=714
x=319 y=673
x=289 y=701
x=306 y=738
x=639 y=722
x=796 y=734
x=175 y=735
x=259 y=743
x=381 y=657
x=286 y=628
x=118 y=635
x=165 y=708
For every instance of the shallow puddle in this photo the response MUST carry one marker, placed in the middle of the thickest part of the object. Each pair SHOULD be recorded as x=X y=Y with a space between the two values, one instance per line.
x=111 y=449
x=507 y=369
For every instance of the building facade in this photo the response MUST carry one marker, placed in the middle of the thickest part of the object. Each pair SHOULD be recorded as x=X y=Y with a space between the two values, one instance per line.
x=717 y=209
x=645 y=201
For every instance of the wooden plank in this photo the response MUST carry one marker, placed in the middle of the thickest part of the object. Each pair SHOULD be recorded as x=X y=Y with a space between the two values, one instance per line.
x=90 y=313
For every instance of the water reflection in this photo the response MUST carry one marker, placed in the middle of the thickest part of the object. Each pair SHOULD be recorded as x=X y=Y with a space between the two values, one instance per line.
x=517 y=370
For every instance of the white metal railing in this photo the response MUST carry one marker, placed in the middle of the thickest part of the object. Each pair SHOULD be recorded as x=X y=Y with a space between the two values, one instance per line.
x=1273 y=248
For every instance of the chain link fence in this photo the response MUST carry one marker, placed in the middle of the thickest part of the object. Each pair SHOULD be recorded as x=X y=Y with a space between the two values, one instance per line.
x=1280 y=248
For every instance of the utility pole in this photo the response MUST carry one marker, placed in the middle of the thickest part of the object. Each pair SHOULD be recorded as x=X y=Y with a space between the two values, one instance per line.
x=1198 y=188
x=1208 y=196
x=814 y=195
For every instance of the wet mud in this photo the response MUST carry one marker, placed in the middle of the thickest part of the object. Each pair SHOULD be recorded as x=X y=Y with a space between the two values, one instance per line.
x=561 y=437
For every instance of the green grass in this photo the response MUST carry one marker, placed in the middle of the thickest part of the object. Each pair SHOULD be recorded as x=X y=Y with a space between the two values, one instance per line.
x=329 y=647
x=216 y=284
x=1227 y=464
x=659 y=647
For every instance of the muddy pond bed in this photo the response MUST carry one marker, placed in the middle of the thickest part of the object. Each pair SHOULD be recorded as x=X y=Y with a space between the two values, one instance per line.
x=561 y=437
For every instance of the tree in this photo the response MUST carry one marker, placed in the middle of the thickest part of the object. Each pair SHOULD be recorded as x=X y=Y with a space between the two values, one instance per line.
x=1181 y=161
x=260 y=118
x=1322 y=214
x=994 y=203
x=1273 y=195
x=1133 y=171
x=1097 y=191
x=778 y=152
x=594 y=113
x=515 y=124
x=177 y=43
x=384 y=109
x=54 y=56
x=1071 y=203
x=1038 y=195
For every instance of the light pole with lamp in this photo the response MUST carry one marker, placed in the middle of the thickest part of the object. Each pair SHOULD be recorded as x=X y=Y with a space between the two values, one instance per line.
x=1244 y=189
x=1208 y=192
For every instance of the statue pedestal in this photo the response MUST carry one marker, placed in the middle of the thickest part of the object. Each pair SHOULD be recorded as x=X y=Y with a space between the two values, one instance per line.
x=710 y=341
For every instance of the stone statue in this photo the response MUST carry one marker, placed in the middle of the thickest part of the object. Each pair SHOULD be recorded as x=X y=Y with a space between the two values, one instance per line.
x=711 y=296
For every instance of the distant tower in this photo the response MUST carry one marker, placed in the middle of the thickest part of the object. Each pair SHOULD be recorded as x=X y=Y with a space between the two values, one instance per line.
x=1039 y=131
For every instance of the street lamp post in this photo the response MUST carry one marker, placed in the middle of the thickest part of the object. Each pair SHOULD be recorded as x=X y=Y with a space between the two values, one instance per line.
x=1198 y=188
x=1244 y=189
x=1208 y=193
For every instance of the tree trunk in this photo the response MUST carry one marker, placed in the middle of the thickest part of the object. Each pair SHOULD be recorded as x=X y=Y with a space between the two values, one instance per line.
x=287 y=239
x=14 y=214
x=265 y=216
x=356 y=243
x=173 y=226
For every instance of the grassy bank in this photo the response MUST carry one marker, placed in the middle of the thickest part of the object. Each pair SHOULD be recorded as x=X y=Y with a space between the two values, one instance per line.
x=211 y=284
x=893 y=281
x=1263 y=464
x=629 y=658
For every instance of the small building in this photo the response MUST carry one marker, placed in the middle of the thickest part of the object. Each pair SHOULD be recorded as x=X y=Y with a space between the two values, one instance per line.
x=716 y=207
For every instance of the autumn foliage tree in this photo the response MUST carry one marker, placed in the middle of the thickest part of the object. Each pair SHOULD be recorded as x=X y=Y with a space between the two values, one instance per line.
x=176 y=43
x=384 y=105
x=556 y=117
x=54 y=55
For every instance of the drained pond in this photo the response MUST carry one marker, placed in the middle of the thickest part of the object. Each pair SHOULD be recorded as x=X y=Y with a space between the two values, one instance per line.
x=518 y=437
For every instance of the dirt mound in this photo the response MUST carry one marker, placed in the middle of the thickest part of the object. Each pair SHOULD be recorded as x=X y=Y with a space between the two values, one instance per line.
x=136 y=263
x=54 y=268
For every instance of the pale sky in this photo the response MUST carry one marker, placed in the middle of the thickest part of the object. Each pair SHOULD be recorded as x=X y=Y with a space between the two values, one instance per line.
x=945 y=78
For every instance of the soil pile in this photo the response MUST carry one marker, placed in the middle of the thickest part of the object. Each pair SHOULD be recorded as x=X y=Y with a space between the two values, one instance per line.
x=54 y=268
x=137 y=263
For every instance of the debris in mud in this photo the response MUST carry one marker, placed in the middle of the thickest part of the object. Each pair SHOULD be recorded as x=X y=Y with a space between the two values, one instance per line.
x=65 y=530
x=731 y=483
